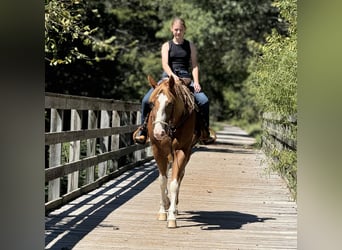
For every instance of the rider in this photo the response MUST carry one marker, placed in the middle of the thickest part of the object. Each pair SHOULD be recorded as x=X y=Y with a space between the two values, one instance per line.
x=178 y=56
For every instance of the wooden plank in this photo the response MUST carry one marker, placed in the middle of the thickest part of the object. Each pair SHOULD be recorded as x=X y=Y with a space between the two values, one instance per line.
x=281 y=132
x=60 y=101
x=55 y=153
x=126 y=139
x=104 y=142
x=108 y=136
x=67 y=136
x=61 y=170
x=74 y=150
x=91 y=146
x=115 y=143
x=228 y=200
x=138 y=155
x=54 y=204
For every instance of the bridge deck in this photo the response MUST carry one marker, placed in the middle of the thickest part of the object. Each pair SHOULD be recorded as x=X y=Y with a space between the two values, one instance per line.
x=227 y=201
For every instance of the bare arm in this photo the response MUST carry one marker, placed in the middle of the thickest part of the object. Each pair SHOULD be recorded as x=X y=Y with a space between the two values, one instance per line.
x=165 y=61
x=195 y=68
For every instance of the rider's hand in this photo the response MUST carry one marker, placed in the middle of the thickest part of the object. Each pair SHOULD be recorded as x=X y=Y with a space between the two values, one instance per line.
x=197 y=87
x=175 y=77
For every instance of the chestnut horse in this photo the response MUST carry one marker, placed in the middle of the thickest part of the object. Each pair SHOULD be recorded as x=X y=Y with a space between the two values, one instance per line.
x=171 y=129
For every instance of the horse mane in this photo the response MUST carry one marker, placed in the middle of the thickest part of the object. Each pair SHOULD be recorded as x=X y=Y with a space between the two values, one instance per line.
x=181 y=91
x=184 y=93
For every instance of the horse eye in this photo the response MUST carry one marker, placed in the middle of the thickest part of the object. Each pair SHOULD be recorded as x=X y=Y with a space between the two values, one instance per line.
x=151 y=104
x=169 y=106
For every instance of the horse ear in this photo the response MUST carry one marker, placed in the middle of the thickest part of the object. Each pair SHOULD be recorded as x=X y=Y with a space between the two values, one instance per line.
x=152 y=82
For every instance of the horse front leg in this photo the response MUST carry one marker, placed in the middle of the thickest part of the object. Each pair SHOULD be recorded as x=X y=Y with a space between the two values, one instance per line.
x=163 y=167
x=164 y=200
x=177 y=175
x=171 y=218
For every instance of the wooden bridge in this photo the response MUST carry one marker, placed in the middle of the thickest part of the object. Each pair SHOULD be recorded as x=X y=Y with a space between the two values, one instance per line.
x=228 y=200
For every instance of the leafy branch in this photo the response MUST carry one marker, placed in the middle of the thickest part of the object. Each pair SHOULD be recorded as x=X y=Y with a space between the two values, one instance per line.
x=67 y=38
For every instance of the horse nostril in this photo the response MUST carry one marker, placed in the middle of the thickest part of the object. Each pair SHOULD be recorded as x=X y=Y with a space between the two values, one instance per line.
x=162 y=133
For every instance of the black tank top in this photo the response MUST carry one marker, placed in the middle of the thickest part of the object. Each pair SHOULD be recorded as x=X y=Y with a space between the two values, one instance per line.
x=179 y=58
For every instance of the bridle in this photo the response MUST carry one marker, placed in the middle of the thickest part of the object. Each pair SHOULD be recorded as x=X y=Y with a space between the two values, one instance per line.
x=170 y=128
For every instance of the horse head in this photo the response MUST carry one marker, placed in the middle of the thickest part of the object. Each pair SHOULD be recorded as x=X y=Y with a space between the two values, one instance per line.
x=162 y=102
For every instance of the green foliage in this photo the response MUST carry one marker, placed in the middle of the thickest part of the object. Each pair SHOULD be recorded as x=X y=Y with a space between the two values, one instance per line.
x=273 y=79
x=285 y=163
x=67 y=35
x=272 y=85
x=221 y=31
x=106 y=48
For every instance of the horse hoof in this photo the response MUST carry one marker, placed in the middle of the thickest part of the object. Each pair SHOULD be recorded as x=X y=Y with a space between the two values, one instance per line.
x=162 y=216
x=171 y=224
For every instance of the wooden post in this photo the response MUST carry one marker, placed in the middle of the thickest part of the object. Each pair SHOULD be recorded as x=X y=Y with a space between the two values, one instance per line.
x=91 y=146
x=115 y=138
x=125 y=139
x=104 y=123
x=140 y=153
x=75 y=149
x=55 y=153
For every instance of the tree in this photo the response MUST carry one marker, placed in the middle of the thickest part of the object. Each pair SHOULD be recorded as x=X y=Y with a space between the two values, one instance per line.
x=68 y=37
x=106 y=48
x=273 y=79
x=98 y=48
x=272 y=88
x=222 y=30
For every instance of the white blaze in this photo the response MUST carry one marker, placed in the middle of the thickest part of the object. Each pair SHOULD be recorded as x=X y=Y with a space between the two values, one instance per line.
x=158 y=130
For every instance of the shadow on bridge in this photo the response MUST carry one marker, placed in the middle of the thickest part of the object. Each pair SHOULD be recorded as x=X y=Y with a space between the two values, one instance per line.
x=219 y=220
x=57 y=228
x=219 y=147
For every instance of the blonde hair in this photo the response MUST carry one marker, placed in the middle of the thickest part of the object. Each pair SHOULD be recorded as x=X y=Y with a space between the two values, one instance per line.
x=181 y=20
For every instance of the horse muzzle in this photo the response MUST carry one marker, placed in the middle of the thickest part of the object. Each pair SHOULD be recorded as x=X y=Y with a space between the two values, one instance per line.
x=159 y=131
x=159 y=134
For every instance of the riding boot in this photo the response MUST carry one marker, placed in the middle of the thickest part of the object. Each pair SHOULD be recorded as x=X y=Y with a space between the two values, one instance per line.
x=205 y=138
x=141 y=135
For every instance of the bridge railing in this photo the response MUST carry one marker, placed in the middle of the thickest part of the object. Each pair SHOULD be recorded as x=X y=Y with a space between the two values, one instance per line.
x=279 y=142
x=88 y=141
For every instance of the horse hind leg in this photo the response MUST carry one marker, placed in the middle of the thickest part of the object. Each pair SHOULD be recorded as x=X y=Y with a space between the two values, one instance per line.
x=164 y=200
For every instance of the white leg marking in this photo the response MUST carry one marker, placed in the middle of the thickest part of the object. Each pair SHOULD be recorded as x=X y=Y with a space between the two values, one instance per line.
x=173 y=193
x=164 y=200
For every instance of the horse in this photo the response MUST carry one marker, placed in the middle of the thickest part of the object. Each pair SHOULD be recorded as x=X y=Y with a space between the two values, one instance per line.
x=172 y=133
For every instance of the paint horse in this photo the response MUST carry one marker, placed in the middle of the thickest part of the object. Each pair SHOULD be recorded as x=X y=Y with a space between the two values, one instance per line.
x=172 y=132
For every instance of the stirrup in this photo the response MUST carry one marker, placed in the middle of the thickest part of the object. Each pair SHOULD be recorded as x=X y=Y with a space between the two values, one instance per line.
x=141 y=139
x=210 y=138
